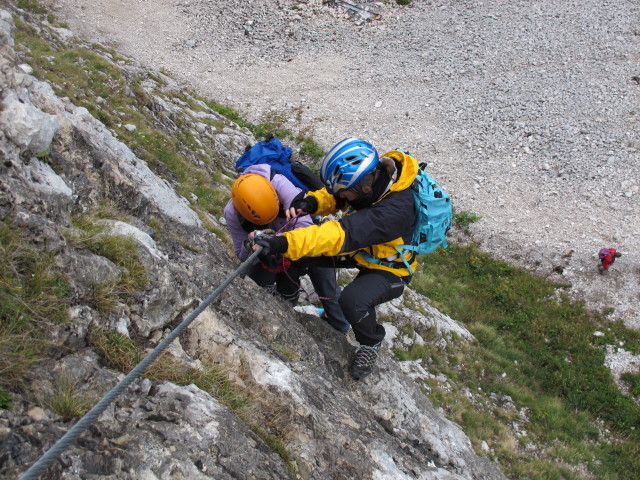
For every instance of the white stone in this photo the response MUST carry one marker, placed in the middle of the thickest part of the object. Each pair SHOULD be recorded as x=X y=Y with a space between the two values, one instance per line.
x=27 y=126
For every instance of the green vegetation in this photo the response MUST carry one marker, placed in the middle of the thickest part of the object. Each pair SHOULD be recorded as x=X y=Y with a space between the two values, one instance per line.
x=273 y=125
x=32 y=6
x=464 y=219
x=255 y=410
x=121 y=250
x=310 y=149
x=33 y=297
x=344 y=278
x=633 y=381
x=211 y=378
x=287 y=352
x=66 y=399
x=537 y=347
x=232 y=115
x=276 y=444
x=118 y=350
x=99 y=84
x=5 y=399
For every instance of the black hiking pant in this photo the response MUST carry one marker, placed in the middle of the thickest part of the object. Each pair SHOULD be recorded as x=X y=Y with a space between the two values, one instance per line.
x=359 y=299
x=286 y=284
x=325 y=284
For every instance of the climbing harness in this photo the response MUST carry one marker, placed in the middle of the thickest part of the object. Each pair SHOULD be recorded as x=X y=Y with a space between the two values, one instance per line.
x=68 y=438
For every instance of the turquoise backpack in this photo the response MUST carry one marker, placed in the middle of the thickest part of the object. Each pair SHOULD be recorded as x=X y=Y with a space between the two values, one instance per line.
x=434 y=216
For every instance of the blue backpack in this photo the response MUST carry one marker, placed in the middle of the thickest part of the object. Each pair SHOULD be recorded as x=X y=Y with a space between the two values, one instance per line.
x=272 y=152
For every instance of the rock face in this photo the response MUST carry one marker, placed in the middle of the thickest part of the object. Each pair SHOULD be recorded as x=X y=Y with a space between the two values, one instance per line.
x=290 y=367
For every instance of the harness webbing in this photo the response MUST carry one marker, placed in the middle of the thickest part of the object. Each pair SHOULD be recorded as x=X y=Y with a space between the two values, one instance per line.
x=65 y=441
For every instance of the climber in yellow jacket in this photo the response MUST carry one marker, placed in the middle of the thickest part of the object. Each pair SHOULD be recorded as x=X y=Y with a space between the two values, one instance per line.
x=379 y=214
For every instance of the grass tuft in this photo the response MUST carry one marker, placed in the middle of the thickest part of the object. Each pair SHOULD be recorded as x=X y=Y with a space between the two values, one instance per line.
x=119 y=351
x=121 y=250
x=5 y=399
x=309 y=148
x=465 y=218
x=33 y=296
x=31 y=290
x=32 y=6
x=66 y=399
x=254 y=409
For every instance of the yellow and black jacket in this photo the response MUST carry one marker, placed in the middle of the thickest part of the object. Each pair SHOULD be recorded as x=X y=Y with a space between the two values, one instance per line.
x=374 y=230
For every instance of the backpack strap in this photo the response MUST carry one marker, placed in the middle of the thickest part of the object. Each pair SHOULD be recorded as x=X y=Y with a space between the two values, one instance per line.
x=391 y=261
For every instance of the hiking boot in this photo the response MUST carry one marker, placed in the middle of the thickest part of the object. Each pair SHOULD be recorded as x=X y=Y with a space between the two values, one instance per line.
x=366 y=357
x=601 y=269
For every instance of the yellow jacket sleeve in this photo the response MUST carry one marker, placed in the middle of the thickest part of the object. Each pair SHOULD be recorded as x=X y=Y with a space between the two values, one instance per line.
x=325 y=239
x=326 y=202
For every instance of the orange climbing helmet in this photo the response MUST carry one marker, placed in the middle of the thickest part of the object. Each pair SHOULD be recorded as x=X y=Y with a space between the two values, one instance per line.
x=255 y=199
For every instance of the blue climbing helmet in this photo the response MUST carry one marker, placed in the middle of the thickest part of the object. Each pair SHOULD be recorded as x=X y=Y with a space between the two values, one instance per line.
x=347 y=163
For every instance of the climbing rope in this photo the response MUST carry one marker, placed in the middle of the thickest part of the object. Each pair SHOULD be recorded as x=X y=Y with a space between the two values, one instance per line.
x=65 y=441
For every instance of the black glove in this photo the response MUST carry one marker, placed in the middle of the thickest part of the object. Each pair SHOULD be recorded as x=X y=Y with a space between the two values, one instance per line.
x=305 y=204
x=270 y=244
x=340 y=202
x=250 y=241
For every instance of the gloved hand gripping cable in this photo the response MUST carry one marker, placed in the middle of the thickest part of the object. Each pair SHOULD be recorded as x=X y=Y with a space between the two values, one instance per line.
x=271 y=244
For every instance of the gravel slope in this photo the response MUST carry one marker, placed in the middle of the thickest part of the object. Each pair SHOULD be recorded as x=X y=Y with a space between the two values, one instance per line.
x=528 y=113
